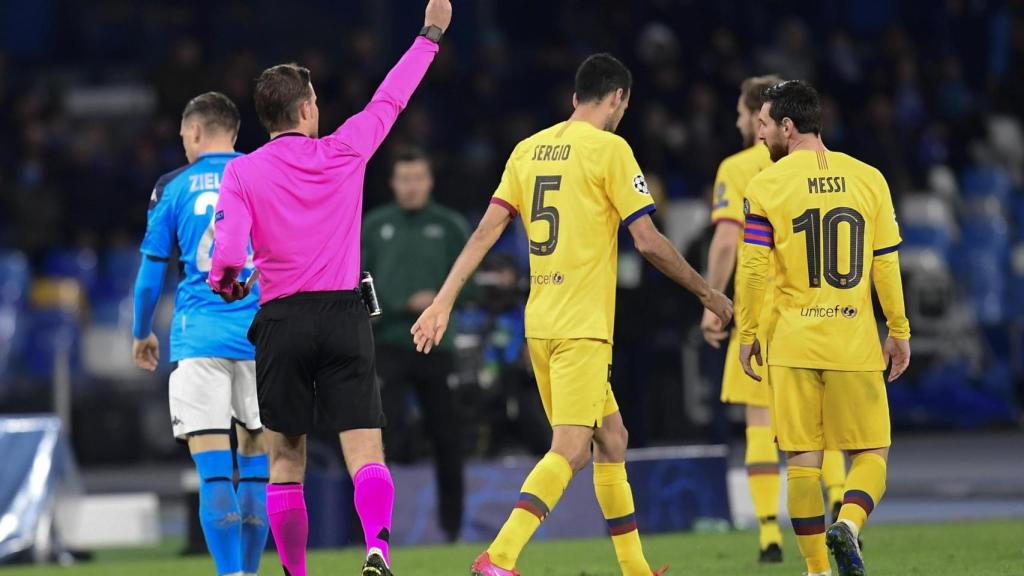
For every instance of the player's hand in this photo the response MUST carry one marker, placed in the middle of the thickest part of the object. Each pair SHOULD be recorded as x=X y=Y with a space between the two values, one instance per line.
x=897 y=351
x=439 y=13
x=238 y=291
x=746 y=352
x=421 y=300
x=713 y=330
x=429 y=328
x=146 y=352
x=719 y=304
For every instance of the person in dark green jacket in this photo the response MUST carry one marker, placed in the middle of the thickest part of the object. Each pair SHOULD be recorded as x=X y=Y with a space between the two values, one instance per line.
x=408 y=247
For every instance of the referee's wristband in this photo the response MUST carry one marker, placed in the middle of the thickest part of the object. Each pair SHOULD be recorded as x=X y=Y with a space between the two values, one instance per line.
x=432 y=33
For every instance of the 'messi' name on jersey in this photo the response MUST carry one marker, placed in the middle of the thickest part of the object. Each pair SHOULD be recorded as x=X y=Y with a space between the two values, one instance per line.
x=548 y=153
x=826 y=185
x=204 y=181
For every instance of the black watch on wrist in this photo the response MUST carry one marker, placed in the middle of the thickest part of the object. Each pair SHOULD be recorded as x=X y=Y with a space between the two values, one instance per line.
x=432 y=33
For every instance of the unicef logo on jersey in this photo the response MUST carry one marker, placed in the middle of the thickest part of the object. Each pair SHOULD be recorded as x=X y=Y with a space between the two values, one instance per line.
x=640 y=184
x=837 y=311
x=552 y=279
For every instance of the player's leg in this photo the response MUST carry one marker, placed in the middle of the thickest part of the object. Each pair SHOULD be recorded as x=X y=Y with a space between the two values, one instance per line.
x=540 y=493
x=573 y=416
x=857 y=412
x=807 y=508
x=833 y=473
x=762 y=461
x=286 y=500
x=798 y=396
x=253 y=466
x=200 y=401
x=762 y=455
x=614 y=495
x=253 y=477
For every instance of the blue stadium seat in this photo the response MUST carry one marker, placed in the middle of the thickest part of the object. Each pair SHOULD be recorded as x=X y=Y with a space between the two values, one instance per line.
x=80 y=264
x=1018 y=215
x=927 y=236
x=985 y=232
x=14 y=277
x=986 y=275
x=1016 y=280
x=982 y=181
x=51 y=329
x=119 y=268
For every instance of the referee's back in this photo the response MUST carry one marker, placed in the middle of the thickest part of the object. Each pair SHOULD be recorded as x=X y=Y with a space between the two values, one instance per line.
x=301 y=197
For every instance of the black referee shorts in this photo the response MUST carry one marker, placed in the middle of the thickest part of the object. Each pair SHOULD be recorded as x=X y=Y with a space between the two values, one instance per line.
x=315 y=363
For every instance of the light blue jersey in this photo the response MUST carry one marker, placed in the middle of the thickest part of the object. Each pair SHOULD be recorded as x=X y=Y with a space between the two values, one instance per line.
x=181 y=216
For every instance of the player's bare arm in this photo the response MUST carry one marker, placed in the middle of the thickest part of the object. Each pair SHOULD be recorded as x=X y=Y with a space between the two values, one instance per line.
x=721 y=263
x=663 y=255
x=431 y=325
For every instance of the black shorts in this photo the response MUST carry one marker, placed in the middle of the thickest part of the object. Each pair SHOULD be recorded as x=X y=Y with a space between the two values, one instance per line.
x=315 y=363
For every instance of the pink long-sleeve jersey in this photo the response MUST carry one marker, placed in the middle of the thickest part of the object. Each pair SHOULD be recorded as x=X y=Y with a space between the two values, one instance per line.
x=300 y=199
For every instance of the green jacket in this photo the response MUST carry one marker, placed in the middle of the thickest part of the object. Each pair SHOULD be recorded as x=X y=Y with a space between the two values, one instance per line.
x=407 y=252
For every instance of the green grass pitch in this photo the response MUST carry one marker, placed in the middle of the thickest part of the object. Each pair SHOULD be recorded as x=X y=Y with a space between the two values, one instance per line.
x=954 y=549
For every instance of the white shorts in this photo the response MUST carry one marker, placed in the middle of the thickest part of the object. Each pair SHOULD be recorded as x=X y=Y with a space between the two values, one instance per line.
x=206 y=393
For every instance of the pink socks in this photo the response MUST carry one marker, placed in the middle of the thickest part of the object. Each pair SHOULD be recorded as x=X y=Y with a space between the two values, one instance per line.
x=286 y=509
x=374 y=499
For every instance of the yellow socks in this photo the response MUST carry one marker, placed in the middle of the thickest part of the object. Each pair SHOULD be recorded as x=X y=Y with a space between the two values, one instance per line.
x=833 y=471
x=864 y=488
x=541 y=491
x=763 y=475
x=807 y=511
x=616 y=500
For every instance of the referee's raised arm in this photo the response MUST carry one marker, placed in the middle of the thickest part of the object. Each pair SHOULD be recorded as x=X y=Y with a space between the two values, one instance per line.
x=365 y=131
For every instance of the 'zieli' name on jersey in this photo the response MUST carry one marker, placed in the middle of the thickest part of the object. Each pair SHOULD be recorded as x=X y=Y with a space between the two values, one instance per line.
x=826 y=184
x=204 y=181
x=548 y=153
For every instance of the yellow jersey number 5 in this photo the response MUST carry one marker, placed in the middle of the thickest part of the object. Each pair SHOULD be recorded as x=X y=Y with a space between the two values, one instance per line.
x=542 y=213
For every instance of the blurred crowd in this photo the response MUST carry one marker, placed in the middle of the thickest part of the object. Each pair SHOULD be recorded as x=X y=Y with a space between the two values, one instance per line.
x=91 y=95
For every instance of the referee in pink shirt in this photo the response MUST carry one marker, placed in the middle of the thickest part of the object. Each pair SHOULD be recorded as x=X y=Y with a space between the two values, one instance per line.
x=299 y=199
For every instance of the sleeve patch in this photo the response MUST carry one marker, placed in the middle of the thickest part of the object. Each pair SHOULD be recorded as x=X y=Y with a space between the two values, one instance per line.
x=640 y=185
x=720 y=200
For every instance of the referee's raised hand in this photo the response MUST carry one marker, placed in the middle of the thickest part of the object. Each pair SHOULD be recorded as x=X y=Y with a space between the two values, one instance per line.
x=439 y=13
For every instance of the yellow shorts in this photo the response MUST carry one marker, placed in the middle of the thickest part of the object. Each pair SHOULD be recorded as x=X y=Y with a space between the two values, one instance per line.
x=828 y=410
x=737 y=387
x=573 y=377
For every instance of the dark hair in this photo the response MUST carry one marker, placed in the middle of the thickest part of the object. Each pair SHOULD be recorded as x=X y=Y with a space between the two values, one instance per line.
x=215 y=110
x=279 y=91
x=798 y=101
x=409 y=154
x=752 y=90
x=599 y=76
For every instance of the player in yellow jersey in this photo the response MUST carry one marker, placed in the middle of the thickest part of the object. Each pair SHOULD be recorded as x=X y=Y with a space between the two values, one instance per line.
x=762 y=457
x=829 y=222
x=573 y=185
